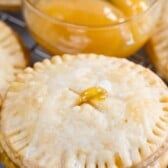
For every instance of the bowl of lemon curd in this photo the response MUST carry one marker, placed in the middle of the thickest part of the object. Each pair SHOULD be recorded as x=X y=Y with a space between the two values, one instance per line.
x=111 y=27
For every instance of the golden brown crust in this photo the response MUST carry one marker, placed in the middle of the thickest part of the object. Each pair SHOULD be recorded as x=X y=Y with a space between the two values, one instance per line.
x=4 y=159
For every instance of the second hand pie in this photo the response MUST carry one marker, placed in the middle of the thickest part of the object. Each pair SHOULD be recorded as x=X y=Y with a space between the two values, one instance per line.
x=157 y=46
x=12 y=57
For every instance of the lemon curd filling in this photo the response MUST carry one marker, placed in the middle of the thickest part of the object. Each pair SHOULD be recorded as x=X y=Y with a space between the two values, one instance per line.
x=73 y=26
x=84 y=12
x=93 y=12
x=92 y=94
x=131 y=7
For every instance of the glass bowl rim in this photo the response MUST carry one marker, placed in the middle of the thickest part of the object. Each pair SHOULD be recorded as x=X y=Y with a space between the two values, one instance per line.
x=70 y=24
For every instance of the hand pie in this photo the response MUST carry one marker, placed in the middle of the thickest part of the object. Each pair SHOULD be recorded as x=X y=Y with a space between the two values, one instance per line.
x=12 y=60
x=85 y=111
x=12 y=57
x=157 y=46
x=10 y=4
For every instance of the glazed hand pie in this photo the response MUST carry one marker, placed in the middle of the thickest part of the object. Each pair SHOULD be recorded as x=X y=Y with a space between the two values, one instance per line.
x=85 y=111
x=10 y=4
x=12 y=57
x=157 y=46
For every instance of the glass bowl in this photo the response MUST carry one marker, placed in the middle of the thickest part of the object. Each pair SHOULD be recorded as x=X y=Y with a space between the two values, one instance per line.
x=120 y=39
